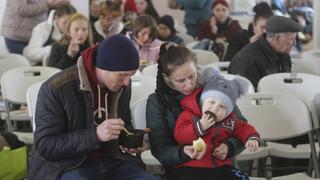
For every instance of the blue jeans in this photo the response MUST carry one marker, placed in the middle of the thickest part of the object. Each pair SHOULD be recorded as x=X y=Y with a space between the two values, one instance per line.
x=15 y=46
x=108 y=168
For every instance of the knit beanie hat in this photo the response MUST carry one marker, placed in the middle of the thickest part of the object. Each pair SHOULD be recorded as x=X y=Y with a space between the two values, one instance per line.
x=168 y=21
x=117 y=53
x=226 y=90
x=130 y=5
x=222 y=2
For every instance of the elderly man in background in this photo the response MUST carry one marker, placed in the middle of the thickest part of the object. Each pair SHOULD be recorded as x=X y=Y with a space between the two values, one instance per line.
x=270 y=54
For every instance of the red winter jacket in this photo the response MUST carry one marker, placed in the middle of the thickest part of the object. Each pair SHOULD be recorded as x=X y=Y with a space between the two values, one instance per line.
x=186 y=131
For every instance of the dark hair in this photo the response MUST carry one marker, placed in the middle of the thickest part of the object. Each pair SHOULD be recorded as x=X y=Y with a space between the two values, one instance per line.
x=262 y=10
x=64 y=9
x=171 y=56
x=113 y=8
x=145 y=21
x=151 y=10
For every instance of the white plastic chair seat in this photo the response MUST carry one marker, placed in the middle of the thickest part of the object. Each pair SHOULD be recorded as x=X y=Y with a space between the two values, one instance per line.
x=17 y=115
x=192 y=44
x=205 y=57
x=296 y=176
x=257 y=178
x=247 y=155
x=301 y=151
x=150 y=70
x=149 y=159
x=25 y=137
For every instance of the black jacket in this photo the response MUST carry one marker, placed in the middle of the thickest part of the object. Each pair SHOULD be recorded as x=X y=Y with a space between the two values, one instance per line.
x=65 y=132
x=257 y=60
x=238 y=41
x=60 y=59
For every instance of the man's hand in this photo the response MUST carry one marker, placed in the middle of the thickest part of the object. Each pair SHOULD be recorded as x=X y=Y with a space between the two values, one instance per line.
x=220 y=152
x=109 y=129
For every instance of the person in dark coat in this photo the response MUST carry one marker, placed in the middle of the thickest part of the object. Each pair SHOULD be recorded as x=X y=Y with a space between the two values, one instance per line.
x=226 y=26
x=80 y=113
x=270 y=53
x=255 y=30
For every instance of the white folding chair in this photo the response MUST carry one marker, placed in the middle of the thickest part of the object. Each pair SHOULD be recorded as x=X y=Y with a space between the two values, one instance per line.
x=150 y=70
x=250 y=88
x=205 y=57
x=142 y=87
x=9 y=61
x=186 y=37
x=296 y=176
x=138 y=113
x=190 y=45
x=32 y=96
x=14 y=86
x=279 y=116
x=222 y=66
x=303 y=86
x=306 y=66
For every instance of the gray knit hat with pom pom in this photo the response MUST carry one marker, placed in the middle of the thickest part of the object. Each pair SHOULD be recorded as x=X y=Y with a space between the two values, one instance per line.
x=226 y=90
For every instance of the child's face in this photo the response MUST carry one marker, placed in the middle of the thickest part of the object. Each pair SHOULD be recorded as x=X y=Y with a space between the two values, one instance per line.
x=144 y=36
x=106 y=20
x=164 y=31
x=216 y=106
x=79 y=31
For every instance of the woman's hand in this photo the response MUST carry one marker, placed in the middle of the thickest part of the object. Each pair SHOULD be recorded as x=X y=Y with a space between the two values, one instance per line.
x=220 y=152
x=193 y=154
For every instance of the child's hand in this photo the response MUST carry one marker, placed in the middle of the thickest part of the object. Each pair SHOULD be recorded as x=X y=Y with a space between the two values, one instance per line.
x=221 y=151
x=206 y=122
x=192 y=153
x=252 y=145
x=73 y=48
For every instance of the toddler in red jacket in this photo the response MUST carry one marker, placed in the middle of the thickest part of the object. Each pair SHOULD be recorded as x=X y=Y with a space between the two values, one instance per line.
x=208 y=113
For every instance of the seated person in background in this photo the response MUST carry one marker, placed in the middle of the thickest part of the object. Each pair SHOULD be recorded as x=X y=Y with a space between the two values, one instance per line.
x=255 y=30
x=109 y=22
x=145 y=7
x=94 y=11
x=167 y=32
x=130 y=14
x=46 y=33
x=76 y=37
x=144 y=36
x=270 y=53
x=226 y=26
x=217 y=43
x=209 y=114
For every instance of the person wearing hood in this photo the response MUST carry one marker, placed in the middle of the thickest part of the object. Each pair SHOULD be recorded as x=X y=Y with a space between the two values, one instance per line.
x=80 y=114
x=167 y=32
